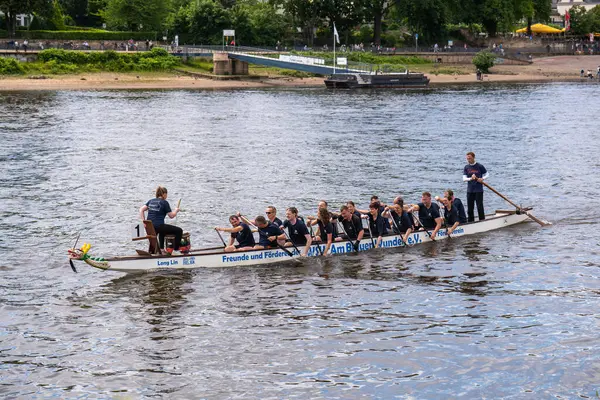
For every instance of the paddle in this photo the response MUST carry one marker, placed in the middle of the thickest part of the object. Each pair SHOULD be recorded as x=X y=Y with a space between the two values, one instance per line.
x=221 y=237
x=539 y=221
x=319 y=250
x=397 y=227
x=421 y=224
x=75 y=245
x=445 y=223
x=370 y=233
x=265 y=235
x=354 y=245
x=290 y=239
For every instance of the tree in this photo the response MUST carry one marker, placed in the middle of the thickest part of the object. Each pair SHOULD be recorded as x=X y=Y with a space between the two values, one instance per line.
x=581 y=23
x=538 y=10
x=267 y=25
x=377 y=10
x=484 y=60
x=76 y=9
x=425 y=17
x=135 y=14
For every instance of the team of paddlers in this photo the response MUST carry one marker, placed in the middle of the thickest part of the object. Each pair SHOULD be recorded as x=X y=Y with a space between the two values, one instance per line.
x=398 y=218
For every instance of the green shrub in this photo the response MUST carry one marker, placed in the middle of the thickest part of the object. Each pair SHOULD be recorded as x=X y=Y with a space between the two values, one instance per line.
x=85 y=35
x=10 y=66
x=3 y=33
x=484 y=60
x=65 y=61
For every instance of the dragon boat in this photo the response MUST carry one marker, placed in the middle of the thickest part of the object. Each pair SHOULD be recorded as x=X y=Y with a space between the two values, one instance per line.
x=216 y=257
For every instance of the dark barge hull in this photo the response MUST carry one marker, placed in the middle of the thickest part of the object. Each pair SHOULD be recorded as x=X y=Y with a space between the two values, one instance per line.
x=367 y=81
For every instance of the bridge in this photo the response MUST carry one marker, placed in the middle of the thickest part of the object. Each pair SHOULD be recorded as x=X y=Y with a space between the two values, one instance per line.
x=232 y=60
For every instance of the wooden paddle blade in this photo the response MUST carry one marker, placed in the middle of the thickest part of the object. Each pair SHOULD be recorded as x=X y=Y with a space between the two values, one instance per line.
x=72 y=265
x=539 y=221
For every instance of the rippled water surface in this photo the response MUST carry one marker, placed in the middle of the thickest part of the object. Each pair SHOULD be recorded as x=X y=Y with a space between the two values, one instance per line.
x=510 y=313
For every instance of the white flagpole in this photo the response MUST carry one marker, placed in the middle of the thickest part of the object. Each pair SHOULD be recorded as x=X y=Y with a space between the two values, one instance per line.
x=334 y=38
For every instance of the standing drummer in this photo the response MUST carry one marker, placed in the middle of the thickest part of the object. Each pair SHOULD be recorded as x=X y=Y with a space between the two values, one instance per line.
x=474 y=174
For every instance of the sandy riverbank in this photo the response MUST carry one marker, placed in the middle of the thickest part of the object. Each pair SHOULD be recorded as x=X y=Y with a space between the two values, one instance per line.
x=552 y=69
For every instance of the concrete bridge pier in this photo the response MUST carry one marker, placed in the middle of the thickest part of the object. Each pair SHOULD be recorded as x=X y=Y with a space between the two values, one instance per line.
x=223 y=65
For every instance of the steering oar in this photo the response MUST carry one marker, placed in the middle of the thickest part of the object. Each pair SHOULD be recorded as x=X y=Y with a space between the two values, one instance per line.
x=519 y=209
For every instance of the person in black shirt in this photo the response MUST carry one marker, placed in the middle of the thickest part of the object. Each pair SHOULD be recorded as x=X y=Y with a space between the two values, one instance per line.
x=325 y=231
x=457 y=203
x=268 y=232
x=297 y=230
x=377 y=223
x=429 y=214
x=332 y=216
x=402 y=223
x=352 y=225
x=271 y=213
x=240 y=232
x=451 y=215
x=352 y=209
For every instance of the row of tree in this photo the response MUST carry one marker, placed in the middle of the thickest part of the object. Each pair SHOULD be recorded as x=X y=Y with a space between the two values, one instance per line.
x=266 y=22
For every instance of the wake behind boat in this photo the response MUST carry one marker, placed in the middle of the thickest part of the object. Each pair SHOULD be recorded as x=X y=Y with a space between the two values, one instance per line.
x=218 y=258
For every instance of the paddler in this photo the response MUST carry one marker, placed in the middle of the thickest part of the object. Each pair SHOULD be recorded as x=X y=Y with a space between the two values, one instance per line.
x=402 y=223
x=325 y=232
x=377 y=223
x=457 y=203
x=352 y=208
x=268 y=233
x=271 y=213
x=429 y=214
x=297 y=230
x=239 y=231
x=450 y=214
x=332 y=217
x=352 y=224
x=158 y=208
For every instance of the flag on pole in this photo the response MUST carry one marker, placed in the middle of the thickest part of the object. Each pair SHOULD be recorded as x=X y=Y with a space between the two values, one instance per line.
x=567 y=21
x=335 y=34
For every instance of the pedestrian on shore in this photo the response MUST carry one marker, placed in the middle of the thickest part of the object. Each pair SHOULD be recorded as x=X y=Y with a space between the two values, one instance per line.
x=582 y=73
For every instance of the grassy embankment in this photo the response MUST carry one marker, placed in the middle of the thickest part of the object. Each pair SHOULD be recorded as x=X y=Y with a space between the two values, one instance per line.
x=62 y=62
x=158 y=61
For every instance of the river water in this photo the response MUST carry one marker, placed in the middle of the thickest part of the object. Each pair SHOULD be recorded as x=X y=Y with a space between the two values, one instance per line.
x=510 y=313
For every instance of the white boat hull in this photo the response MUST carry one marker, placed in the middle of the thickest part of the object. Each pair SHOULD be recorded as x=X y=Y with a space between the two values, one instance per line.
x=220 y=259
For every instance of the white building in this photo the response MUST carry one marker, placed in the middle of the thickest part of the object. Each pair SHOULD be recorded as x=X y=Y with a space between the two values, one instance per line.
x=23 y=20
x=563 y=5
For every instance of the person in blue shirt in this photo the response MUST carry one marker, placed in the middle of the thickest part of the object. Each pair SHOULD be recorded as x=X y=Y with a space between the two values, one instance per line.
x=377 y=223
x=297 y=230
x=158 y=208
x=429 y=214
x=352 y=207
x=450 y=215
x=458 y=204
x=325 y=232
x=271 y=213
x=268 y=233
x=474 y=173
x=240 y=232
x=403 y=223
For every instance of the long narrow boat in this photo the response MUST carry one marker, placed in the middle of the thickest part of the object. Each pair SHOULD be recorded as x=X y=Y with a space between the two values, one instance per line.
x=217 y=258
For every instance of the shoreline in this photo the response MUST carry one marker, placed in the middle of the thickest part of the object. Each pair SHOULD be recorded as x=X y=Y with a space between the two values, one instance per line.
x=120 y=82
x=543 y=70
